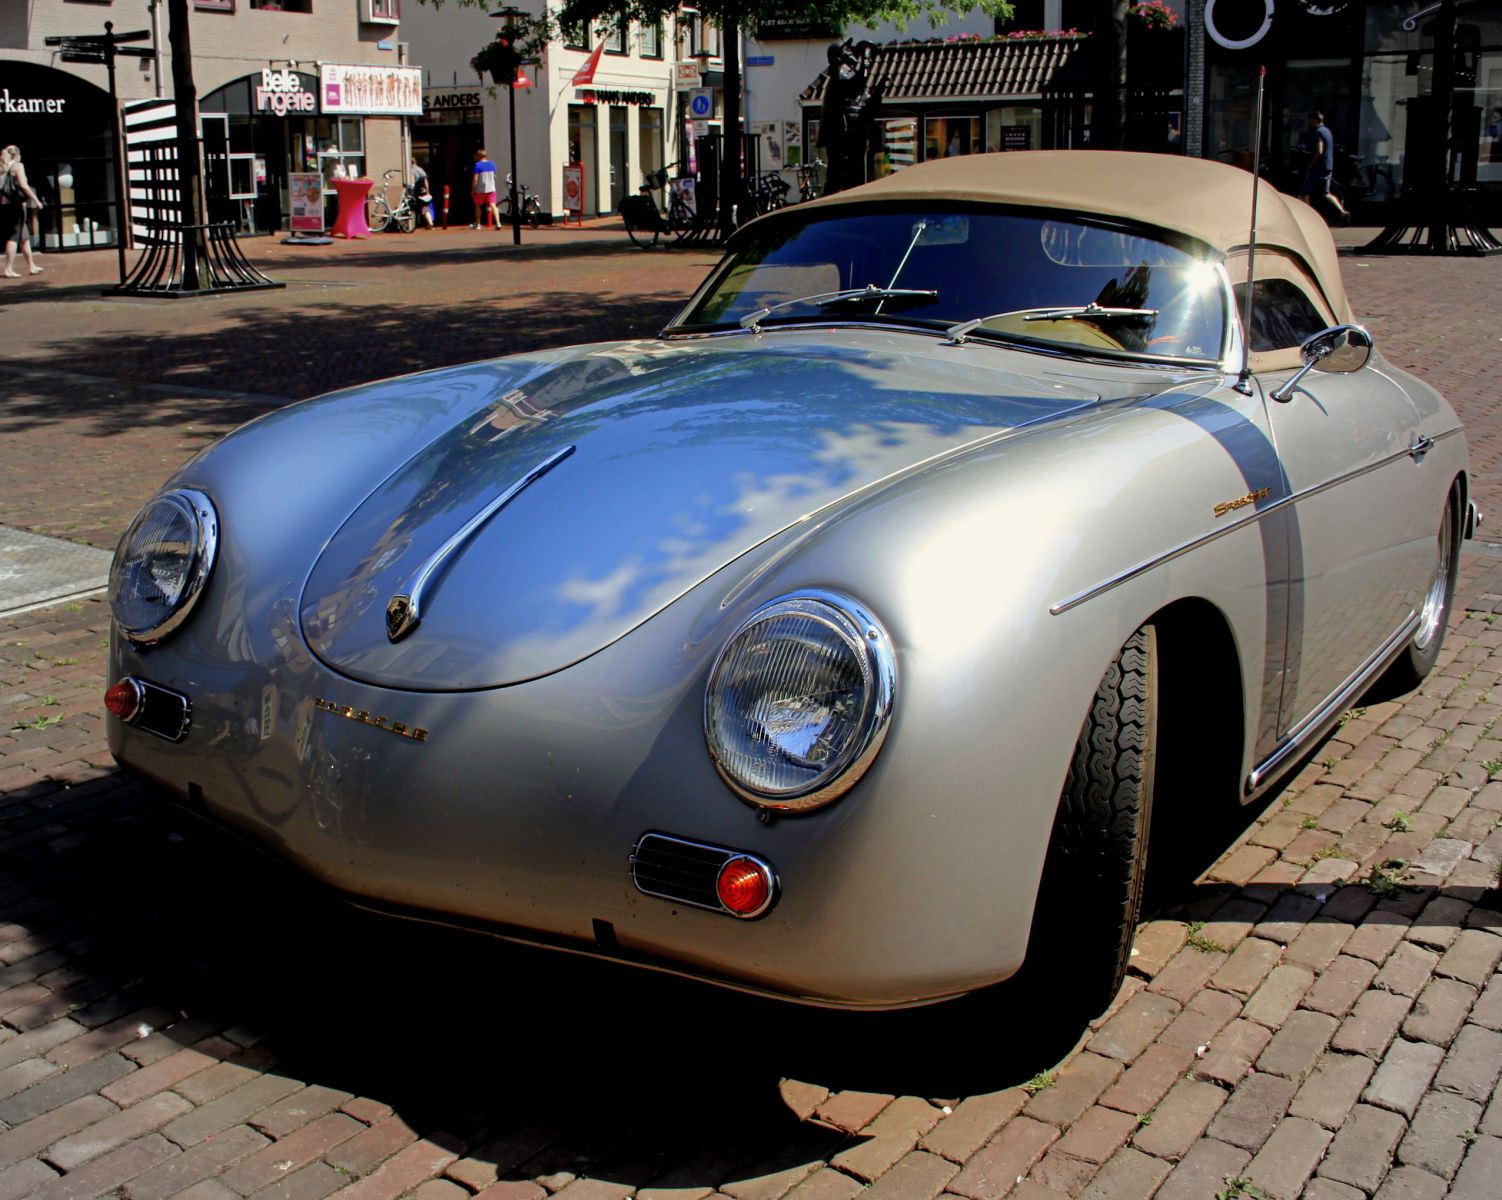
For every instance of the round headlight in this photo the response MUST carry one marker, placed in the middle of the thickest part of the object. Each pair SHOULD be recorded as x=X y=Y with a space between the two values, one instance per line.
x=799 y=701
x=163 y=562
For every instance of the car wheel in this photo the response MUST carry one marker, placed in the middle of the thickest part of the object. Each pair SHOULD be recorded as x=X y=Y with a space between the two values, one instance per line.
x=1422 y=652
x=1091 y=894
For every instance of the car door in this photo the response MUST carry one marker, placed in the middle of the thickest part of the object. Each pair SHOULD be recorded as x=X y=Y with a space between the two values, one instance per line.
x=1358 y=560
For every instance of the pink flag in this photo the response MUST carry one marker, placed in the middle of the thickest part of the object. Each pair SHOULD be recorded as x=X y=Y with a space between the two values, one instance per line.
x=585 y=75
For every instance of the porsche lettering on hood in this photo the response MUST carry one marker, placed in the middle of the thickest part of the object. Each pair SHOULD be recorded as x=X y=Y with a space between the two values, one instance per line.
x=681 y=463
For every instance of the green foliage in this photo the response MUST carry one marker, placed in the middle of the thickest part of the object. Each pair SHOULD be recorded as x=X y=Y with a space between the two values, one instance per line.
x=1200 y=942
x=1040 y=1081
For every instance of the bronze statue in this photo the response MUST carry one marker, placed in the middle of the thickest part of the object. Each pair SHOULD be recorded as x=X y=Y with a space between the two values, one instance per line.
x=850 y=106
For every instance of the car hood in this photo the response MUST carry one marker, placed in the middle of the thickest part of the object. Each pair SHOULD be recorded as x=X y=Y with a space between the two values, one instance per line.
x=677 y=457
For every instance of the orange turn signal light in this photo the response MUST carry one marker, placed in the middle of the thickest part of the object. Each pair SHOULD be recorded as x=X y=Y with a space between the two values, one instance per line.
x=744 y=887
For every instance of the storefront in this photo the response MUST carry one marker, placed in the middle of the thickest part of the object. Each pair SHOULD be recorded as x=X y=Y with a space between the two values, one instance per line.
x=444 y=141
x=62 y=125
x=262 y=128
x=969 y=97
x=1371 y=69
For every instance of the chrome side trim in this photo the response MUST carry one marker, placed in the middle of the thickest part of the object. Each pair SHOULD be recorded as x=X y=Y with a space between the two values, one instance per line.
x=404 y=610
x=1325 y=715
x=1060 y=607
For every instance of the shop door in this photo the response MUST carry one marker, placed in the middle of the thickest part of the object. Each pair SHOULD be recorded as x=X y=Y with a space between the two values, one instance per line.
x=213 y=128
x=620 y=157
x=582 y=149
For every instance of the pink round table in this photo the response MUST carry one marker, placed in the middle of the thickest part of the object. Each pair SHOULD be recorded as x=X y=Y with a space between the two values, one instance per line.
x=351 y=222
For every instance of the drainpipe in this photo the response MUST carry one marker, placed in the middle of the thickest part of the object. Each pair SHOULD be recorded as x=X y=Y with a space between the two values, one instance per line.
x=155 y=8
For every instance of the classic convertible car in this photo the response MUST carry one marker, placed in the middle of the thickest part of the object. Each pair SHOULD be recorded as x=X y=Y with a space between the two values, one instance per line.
x=837 y=640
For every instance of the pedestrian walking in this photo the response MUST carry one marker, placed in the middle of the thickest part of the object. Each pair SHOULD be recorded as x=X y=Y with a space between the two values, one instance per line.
x=17 y=202
x=483 y=191
x=1320 y=170
x=422 y=195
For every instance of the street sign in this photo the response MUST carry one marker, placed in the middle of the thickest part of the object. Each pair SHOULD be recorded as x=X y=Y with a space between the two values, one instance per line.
x=686 y=74
x=701 y=103
x=760 y=60
x=85 y=56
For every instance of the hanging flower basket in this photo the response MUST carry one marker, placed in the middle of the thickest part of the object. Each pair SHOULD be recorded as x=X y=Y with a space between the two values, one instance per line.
x=498 y=59
x=1154 y=14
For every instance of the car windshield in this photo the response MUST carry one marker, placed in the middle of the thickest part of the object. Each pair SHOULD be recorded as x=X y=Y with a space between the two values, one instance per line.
x=1015 y=276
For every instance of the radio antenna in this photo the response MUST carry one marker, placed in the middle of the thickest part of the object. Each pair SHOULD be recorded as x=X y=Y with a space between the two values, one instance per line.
x=1242 y=384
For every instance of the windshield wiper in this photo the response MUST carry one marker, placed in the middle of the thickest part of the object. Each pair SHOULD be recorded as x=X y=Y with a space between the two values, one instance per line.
x=753 y=320
x=1072 y=312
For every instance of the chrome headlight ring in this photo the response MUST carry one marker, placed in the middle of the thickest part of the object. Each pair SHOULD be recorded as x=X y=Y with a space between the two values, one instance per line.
x=162 y=564
x=799 y=701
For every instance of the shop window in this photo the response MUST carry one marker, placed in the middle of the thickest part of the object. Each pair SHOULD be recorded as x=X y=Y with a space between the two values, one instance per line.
x=946 y=137
x=1019 y=127
x=383 y=12
x=896 y=145
x=615 y=38
x=291 y=6
x=215 y=5
x=651 y=41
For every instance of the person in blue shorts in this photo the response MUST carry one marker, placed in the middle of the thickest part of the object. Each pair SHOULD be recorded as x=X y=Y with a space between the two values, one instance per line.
x=1321 y=170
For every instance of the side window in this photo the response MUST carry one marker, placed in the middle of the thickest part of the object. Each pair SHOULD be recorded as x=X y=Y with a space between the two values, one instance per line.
x=1283 y=316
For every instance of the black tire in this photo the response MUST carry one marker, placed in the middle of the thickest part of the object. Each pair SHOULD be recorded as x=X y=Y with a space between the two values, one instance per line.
x=532 y=211
x=1091 y=894
x=378 y=215
x=406 y=220
x=643 y=235
x=680 y=219
x=1422 y=652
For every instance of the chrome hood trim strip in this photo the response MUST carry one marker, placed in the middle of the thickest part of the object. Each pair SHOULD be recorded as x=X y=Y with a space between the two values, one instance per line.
x=404 y=610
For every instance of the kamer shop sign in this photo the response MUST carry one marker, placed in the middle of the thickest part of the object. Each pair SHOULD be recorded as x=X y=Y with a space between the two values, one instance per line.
x=28 y=104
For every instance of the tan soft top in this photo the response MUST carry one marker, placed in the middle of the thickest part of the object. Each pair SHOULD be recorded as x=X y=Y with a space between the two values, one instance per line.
x=1209 y=201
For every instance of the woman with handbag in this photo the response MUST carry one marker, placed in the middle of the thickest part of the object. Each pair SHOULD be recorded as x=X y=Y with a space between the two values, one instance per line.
x=17 y=199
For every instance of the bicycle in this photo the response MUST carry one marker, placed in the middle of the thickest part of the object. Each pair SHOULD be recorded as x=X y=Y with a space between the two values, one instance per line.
x=381 y=216
x=645 y=221
x=809 y=186
x=769 y=192
x=1369 y=183
x=530 y=205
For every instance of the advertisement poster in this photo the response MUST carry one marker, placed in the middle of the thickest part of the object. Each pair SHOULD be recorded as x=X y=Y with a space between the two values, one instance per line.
x=306 y=202
x=370 y=91
x=792 y=143
x=573 y=191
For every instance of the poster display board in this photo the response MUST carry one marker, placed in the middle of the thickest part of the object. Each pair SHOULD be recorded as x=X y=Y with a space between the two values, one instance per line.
x=573 y=191
x=305 y=202
x=370 y=91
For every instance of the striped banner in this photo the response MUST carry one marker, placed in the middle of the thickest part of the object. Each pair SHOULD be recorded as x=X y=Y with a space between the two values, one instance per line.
x=152 y=186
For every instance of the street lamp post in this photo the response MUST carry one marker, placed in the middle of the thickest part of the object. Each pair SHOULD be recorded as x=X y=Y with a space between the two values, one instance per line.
x=510 y=14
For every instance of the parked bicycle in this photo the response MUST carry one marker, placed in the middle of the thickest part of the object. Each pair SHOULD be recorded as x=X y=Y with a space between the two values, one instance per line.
x=1368 y=182
x=382 y=215
x=646 y=221
x=769 y=191
x=810 y=180
x=530 y=205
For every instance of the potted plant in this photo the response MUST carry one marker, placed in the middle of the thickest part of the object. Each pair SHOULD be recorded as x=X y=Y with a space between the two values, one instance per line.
x=499 y=59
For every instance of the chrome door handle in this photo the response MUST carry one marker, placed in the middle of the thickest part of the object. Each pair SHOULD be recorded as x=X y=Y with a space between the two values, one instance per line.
x=1420 y=446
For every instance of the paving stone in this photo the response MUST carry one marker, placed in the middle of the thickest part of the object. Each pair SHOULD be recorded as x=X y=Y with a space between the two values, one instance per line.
x=297 y=1109
x=1319 y=944
x=230 y=1109
x=1097 y=1135
x=917 y=1176
x=1186 y=973
x=996 y=1167
x=1132 y=1030
x=200 y=1161
x=1148 y=1079
x=29 y=1138
x=1206 y=1014
x=1406 y=970
x=1329 y=1189
x=1255 y=1107
x=1204 y=1170
x=1377 y=936
x=1404 y=1076
x=1339 y=987
x=1279 y=995
x=304 y=1145
x=1232 y=1051
x=1372 y=1024
x=1363 y=1148
x=1471 y=1067
x=852 y=1111
x=60 y=1089
x=1441 y=856
x=1288 y=1158
x=1478 y=1174
x=1333 y=1089
x=116 y=1129
x=1472 y=958
x=973 y=1123
x=888 y=1138
x=426 y=1159
x=1078 y=1084
x=25 y=1178
x=1155 y=944
x=1439 y=1012
x=1289 y=916
x=1433 y=1141
x=1130 y=1175
x=1440 y=922
x=1297 y=1045
x=1180 y=1119
x=1488 y=1010
x=1410 y=1183
x=110 y=1171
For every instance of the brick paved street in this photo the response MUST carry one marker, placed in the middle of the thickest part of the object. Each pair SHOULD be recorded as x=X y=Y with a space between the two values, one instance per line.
x=1318 y=1016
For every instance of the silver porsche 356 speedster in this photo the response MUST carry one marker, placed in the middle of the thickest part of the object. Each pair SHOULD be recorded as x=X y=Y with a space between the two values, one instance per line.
x=833 y=642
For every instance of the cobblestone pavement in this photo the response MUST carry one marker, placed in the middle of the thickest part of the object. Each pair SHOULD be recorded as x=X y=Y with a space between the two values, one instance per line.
x=1318 y=1015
